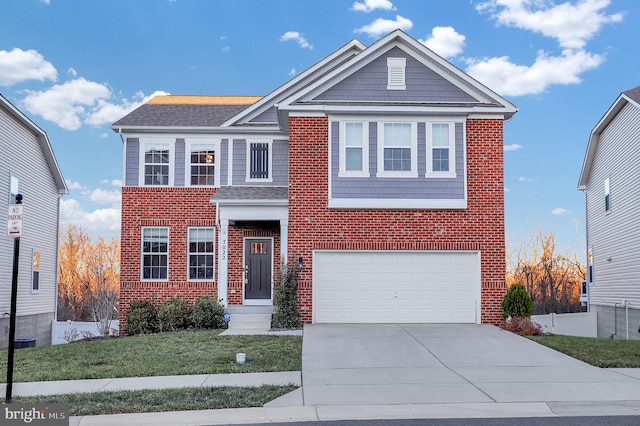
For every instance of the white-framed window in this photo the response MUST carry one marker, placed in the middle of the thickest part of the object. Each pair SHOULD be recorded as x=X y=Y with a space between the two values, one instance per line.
x=607 y=195
x=35 y=271
x=156 y=164
x=200 y=252
x=155 y=254
x=354 y=149
x=441 y=161
x=590 y=265
x=397 y=149
x=201 y=164
x=14 y=187
x=396 y=73
x=259 y=161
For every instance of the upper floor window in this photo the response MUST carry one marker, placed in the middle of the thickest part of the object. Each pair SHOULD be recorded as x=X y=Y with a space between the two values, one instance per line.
x=397 y=150
x=440 y=150
x=156 y=163
x=13 y=188
x=201 y=252
x=155 y=253
x=607 y=195
x=259 y=161
x=396 y=73
x=354 y=149
x=202 y=164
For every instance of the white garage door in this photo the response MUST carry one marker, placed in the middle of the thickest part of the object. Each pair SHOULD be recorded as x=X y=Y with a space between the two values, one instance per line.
x=396 y=287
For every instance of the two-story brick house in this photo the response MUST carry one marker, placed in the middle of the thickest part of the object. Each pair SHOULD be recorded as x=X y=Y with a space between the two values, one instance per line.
x=379 y=170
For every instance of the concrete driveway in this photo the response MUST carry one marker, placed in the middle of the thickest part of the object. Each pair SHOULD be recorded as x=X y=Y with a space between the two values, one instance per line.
x=446 y=364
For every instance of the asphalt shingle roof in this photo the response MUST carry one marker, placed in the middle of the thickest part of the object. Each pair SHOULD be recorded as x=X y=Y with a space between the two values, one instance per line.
x=246 y=193
x=633 y=93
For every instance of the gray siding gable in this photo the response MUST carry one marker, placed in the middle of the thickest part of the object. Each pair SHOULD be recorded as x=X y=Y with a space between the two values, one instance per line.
x=370 y=84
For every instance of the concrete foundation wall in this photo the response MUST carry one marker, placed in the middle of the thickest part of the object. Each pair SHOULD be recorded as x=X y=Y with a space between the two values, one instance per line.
x=36 y=326
x=626 y=320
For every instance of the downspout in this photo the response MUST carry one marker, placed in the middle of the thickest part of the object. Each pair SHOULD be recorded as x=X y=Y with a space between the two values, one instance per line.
x=55 y=305
x=615 y=320
x=626 y=308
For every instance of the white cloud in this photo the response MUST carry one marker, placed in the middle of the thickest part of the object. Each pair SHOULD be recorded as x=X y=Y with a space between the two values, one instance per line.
x=525 y=179
x=72 y=72
x=507 y=189
x=116 y=182
x=74 y=185
x=571 y=24
x=102 y=196
x=97 y=222
x=371 y=5
x=21 y=65
x=298 y=38
x=292 y=72
x=445 y=41
x=383 y=26
x=511 y=79
x=105 y=112
x=559 y=211
x=512 y=147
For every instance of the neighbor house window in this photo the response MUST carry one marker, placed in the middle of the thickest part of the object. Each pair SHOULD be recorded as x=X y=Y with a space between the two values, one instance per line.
x=200 y=252
x=35 y=272
x=202 y=164
x=13 y=188
x=155 y=253
x=156 y=164
x=259 y=161
x=396 y=73
x=440 y=150
x=354 y=149
x=397 y=150
x=607 y=195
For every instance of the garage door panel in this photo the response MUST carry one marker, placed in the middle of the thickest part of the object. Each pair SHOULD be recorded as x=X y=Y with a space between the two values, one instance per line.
x=381 y=286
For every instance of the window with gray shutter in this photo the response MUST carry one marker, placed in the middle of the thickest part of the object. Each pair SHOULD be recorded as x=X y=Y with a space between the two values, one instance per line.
x=259 y=160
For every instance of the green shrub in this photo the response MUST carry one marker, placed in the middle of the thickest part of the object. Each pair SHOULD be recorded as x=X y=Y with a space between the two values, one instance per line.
x=207 y=313
x=285 y=303
x=517 y=302
x=142 y=317
x=173 y=314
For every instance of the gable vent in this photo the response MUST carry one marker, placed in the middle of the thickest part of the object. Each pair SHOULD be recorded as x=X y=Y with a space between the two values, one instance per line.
x=395 y=73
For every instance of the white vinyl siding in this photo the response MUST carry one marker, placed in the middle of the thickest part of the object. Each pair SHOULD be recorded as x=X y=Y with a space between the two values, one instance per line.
x=613 y=238
x=354 y=149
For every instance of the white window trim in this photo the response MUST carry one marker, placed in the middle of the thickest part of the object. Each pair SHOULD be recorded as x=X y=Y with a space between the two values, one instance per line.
x=33 y=253
x=248 y=157
x=413 y=173
x=396 y=73
x=142 y=278
x=172 y=150
x=343 y=150
x=451 y=173
x=187 y=158
x=213 y=253
x=607 y=195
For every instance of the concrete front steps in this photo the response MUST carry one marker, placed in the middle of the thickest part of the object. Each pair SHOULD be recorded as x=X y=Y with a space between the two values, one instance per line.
x=249 y=320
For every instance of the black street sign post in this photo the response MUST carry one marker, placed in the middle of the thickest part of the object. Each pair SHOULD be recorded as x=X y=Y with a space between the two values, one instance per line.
x=14 y=225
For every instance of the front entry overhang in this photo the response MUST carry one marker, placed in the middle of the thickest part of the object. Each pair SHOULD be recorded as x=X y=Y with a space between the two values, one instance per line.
x=244 y=203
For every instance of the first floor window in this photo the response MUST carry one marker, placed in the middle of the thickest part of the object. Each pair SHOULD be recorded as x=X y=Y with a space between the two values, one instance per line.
x=155 y=253
x=35 y=272
x=201 y=252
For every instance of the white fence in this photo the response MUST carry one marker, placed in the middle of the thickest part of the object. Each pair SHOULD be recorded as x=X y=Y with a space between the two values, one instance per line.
x=583 y=324
x=68 y=331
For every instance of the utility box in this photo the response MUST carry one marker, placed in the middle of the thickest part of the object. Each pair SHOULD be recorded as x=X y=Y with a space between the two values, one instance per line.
x=25 y=343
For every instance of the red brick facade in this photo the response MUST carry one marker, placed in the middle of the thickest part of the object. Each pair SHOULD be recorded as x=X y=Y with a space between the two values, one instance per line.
x=479 y=227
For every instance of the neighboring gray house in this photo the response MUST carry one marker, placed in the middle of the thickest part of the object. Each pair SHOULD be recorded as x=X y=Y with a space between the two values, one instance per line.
x=610 y=179
x=28 y=166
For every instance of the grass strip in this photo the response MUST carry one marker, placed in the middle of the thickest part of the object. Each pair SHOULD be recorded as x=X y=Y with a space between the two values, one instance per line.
x=158 y=400
x=605 y=353
x=179 y=353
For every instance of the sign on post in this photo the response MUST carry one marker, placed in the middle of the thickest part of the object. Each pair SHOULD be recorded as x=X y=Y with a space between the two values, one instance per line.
x=14 y=220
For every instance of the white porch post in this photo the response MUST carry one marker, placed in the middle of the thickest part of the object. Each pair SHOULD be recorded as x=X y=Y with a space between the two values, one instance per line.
x=284 y=239
x=223 y=260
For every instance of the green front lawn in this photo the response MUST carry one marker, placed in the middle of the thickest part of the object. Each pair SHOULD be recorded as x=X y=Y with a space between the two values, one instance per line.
x=189 y=352
x=606 y=353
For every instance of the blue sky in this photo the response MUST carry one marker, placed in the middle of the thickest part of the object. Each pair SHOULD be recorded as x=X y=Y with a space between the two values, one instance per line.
x=76 y=66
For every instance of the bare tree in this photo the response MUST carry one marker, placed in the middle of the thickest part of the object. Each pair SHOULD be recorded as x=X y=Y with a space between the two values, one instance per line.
x=552 y=279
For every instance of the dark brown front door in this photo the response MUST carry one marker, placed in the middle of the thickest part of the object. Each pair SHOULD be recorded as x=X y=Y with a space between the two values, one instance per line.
x=258 y=258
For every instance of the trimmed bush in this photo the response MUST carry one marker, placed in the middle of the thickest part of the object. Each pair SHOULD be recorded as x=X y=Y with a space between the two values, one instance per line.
x=207 y=313
x=517 y=302
x=142 y=317
x=173 y=314
x=285 y=303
